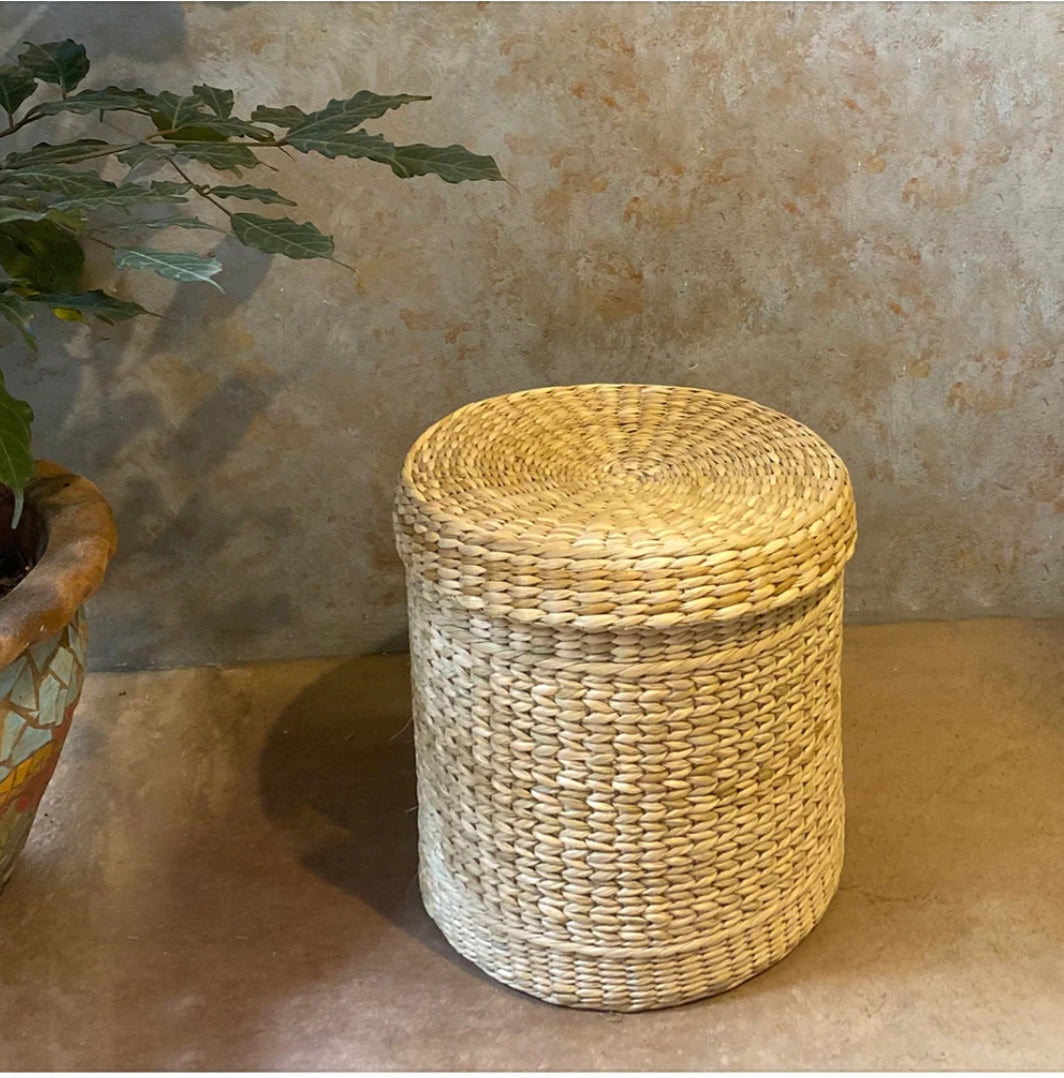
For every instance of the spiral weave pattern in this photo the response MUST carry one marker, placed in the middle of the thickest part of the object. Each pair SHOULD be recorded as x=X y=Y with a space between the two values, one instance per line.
x=625 y=609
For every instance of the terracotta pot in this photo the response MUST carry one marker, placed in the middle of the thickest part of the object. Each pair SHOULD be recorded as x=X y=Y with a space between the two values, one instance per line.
x=68 y=533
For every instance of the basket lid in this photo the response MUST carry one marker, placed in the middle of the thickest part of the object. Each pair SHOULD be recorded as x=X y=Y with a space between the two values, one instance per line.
x=616 y=506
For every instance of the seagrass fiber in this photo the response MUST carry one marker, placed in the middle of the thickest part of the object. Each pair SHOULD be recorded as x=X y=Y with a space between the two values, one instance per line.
x=625 y=624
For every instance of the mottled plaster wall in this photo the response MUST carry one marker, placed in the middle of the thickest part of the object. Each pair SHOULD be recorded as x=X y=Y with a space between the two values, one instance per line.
x=848 y=212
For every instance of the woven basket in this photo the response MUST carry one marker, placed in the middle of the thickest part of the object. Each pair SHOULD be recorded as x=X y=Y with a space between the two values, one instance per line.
x=625 y=611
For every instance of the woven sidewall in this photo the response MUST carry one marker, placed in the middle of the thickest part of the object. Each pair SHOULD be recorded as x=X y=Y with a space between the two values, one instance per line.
x=625 y=611
x=629 y=837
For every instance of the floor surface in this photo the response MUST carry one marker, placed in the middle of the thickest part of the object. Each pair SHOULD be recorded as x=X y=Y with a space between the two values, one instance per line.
x=223 y=878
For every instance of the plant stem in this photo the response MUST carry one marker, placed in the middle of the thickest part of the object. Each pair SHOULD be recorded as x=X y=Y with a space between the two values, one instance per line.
x=200 y=189
x=91 y=156
x=343 y=265
x=102 y=243
x=12 y=126
x=155 y=137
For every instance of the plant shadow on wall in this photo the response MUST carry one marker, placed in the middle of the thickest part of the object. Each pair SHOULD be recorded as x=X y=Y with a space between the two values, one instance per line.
x=134 y=187
x=195 y=518
x=149 y=31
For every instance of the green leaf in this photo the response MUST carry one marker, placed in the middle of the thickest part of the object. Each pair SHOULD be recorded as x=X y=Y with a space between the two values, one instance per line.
x=250 y=194
x=16 y=455
x=165 y=222
x=231 y=127
x=74 y=221
x=41 y=253
x=351 y=112
x=62 y=63
x=453 y=164
x=111 y=99
x=283 y=117
x=124 y=195
x=338 y=142
x=171 y=112
x=15 y=208
x=281 y=236
x=220 y=102
x=14 y=213
x=109 y=309
x=213 y=128
x=16 y=84
x=225 y=156
x=145 y=151
x=63 y=153
x=177 y=265
x=19 y=313
x=57 y=178
x=167 y=189
x=194 y=133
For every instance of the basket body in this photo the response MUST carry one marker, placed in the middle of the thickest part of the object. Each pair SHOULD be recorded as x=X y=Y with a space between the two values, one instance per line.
x=626 y=687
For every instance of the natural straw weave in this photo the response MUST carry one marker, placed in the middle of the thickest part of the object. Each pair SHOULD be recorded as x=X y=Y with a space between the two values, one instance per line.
x=625 y=611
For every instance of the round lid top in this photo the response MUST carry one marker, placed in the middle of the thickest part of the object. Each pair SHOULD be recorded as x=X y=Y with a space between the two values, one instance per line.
x=606 y=505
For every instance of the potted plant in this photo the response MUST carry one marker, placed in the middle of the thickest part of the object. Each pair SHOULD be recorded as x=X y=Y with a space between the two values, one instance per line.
x=174 y=153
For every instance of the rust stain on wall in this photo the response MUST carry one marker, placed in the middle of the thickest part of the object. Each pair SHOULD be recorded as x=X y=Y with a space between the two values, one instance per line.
x=616 y=290
x=518 y=144
x=919 y=367
x=419 y=319
x=456 y=331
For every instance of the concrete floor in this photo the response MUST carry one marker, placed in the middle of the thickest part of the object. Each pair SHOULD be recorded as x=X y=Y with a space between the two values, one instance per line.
x=223 y=878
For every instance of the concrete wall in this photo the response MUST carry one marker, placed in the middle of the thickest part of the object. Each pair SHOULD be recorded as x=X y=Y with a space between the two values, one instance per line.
x=848 y=212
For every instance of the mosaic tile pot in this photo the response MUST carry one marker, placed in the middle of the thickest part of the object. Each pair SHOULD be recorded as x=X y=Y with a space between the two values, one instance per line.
x=68 y=533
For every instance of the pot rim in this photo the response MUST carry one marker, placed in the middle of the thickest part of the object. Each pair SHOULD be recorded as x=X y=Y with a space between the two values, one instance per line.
x=79 y=539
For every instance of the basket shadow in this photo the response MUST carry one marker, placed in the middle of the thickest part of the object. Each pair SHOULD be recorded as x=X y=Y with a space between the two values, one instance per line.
x=337 y=780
